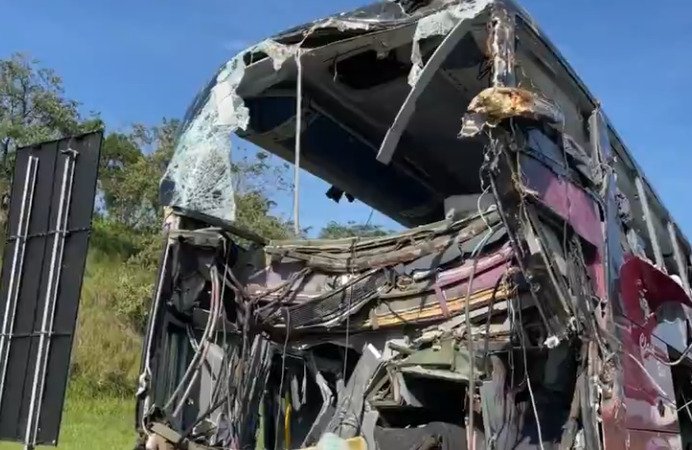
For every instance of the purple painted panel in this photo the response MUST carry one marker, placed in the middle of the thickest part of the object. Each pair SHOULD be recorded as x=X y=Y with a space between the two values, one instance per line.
x=565 y=198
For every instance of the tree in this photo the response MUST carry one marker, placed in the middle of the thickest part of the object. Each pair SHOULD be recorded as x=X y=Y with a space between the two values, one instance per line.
x=131 y=166
x=33 y=108
x=257 y=179
x=335 y=230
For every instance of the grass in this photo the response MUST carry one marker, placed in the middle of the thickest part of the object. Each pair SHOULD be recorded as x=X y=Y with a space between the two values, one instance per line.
x=99 y=409
x=105 y=357
x=93 y=424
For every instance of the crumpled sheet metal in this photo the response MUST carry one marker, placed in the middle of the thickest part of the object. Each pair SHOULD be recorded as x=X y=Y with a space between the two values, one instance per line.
x=440 y=24
x=495 y=104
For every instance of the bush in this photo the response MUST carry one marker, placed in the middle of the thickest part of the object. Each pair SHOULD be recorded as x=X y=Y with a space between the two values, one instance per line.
x=118 y=284
x=106 y=349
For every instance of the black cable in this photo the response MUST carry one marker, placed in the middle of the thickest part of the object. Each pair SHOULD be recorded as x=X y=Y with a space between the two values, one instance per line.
x=487 y=322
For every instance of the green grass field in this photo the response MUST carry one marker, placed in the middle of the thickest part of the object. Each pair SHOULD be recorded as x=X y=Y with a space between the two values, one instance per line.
x=94 y=424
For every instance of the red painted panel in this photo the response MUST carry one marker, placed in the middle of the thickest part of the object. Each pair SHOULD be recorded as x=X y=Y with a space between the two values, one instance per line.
x=649 y=395
x=565 y=198
x=650 y=440
x=645 y=288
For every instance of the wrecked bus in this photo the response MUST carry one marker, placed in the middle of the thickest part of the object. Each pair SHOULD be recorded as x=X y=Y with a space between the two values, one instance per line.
x=539 y=297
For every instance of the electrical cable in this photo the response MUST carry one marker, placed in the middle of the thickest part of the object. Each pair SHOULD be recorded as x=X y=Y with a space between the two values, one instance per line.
x=283 y=371
x=214 y=275
x=348 y=308
x=189 y=369
x=467 y=311
x=298 y=132
x=194 y=363
x=683 y=357
x=686 y=406
x=529 y=385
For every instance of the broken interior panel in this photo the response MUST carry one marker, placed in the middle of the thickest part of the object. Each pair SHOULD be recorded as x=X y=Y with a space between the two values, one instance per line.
x=538 y=297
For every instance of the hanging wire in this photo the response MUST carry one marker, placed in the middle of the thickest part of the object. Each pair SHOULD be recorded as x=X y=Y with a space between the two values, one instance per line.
x=206 y=343
x=348 y=306
x=686 y=406
x=367 y=222
x=194 y=363
x=467 y=312
x=682 y=358
x=283 y=373
x=528 y=381
x=298 y=132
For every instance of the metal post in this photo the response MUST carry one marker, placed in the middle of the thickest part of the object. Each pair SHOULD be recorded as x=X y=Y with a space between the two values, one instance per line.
x=51 y=300
x=679 y=257
x=17 y=267
x=644 y=200
x=502 y=47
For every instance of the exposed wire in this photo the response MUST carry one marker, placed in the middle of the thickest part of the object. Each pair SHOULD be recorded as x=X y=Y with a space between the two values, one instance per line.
x=528 y=382
x=686 y=406
x=372 y=212
x=491 y=310
x=348 y=307
x=396 y=314
x=518 y=250
x=298 y=132
x=192 y=364
x=683 y=357
x=283 y=373
x=218 y=386
x=156 y=303
x=214 y=314
x=467 y=311
x=191 y=337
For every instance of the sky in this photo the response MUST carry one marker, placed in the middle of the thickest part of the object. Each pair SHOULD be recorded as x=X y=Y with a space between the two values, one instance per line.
x=139 y=61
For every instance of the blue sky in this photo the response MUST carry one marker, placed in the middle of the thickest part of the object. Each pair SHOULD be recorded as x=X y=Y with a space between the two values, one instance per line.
x=138 y=61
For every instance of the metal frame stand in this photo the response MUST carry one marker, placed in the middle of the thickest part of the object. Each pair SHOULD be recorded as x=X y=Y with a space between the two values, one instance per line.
x=46 y=332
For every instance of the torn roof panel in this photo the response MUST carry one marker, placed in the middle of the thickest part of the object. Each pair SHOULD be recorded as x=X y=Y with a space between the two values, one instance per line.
x=392 y=38
x=260 y=89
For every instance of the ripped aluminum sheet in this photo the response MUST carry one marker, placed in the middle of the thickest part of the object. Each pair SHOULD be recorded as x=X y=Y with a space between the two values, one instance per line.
x=440 y=24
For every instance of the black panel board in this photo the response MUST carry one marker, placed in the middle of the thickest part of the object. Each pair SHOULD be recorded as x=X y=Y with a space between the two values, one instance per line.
x=34 y=279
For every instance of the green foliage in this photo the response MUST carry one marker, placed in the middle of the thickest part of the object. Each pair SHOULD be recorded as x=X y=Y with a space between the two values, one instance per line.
x=132 y=259
x=107 y=346
x=335 y=230
x=252 y=213
x=33 y=107
x=131 y=166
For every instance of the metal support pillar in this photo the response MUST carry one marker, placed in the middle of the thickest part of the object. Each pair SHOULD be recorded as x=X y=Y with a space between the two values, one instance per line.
x=679 y=257
x=655 y=245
